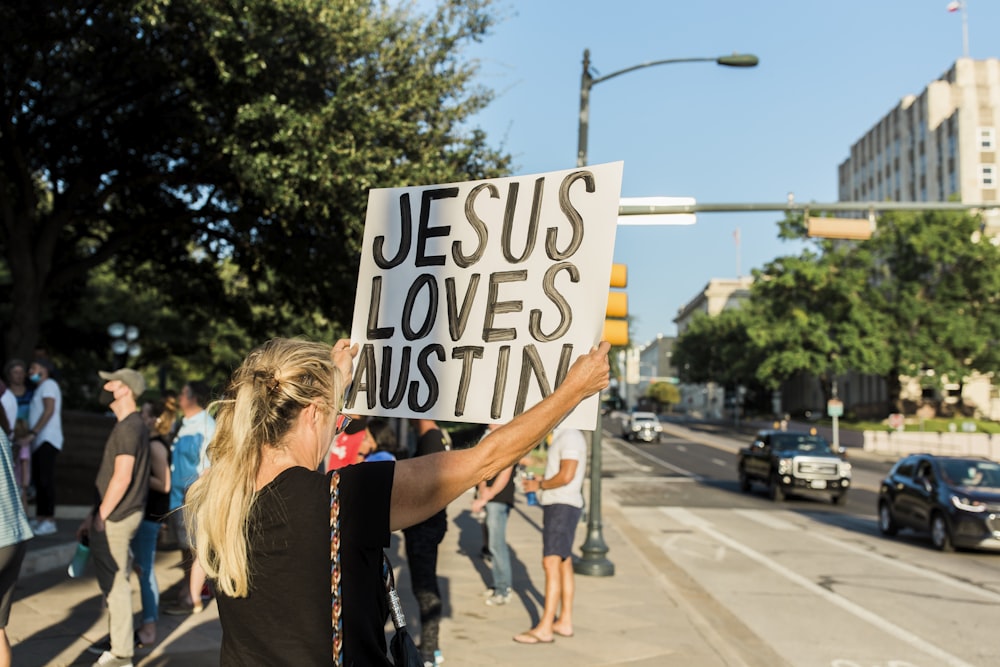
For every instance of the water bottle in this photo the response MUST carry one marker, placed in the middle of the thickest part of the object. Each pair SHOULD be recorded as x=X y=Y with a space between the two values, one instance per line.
x=531 y=495
x=80 y=558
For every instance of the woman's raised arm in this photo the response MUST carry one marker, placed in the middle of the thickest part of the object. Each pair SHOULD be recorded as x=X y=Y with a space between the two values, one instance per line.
x=426 y=484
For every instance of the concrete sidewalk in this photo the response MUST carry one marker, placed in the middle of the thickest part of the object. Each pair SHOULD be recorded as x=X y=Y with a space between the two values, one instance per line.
x=647 y=613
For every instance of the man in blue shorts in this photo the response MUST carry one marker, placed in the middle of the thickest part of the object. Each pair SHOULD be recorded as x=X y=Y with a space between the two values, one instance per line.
x=561 y=498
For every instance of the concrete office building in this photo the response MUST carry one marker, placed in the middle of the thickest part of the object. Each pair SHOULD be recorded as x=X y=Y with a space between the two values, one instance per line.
x=940 y=145
x=718 y=295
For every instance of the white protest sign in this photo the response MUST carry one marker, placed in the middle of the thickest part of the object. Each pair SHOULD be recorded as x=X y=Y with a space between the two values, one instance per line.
x=474 y=298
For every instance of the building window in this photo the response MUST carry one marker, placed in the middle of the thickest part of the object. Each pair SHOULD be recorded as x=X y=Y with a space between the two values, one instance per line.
x=988 y=175
x=987 y=138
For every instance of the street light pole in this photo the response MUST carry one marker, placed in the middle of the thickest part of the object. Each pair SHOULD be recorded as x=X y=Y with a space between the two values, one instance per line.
x=587 y=81
x=594 y=549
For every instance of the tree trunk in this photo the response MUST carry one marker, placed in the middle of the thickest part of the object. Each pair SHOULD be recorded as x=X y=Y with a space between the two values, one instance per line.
x=826 y=388
x=25 y=318
x=894 y=391
x=30 y=249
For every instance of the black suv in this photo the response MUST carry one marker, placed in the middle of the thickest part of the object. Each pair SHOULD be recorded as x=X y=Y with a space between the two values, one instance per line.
x=955 y=499
x=793 y=462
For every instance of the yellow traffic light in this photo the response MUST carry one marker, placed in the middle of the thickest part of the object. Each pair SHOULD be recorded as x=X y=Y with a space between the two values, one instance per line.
x=619 y=275
x=616 y=313
x=615 y=332
x=617 y=305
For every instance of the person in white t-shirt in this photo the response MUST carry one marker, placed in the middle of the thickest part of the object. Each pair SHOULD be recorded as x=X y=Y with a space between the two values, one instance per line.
x=562 y=503
x=46 y=437
x=8 y=410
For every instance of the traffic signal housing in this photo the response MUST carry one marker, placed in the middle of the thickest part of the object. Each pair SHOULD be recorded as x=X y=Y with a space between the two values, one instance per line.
x=616 y=313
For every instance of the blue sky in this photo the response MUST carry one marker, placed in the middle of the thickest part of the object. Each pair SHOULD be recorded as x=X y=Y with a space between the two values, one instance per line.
x=828 y=71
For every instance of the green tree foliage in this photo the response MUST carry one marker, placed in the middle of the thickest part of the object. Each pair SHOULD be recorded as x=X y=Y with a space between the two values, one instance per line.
x=718 y=349
x=664 y=393
x=220 y=154
x=936 y=281
x=921 y=294
x=810 y=314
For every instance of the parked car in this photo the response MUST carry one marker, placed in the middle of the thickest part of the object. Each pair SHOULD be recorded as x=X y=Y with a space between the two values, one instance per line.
x=790 y=462
x=955 y=499
x=644 y=426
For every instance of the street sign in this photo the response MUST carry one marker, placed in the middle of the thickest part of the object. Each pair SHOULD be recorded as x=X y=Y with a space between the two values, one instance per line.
x=835 y=407
x=896 y=421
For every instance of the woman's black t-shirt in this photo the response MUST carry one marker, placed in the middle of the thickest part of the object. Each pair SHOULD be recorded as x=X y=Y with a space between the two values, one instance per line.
x=285 y=620
x=157 y=503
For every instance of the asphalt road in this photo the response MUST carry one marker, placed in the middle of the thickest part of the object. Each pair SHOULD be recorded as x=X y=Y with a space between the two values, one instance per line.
x=814 y=581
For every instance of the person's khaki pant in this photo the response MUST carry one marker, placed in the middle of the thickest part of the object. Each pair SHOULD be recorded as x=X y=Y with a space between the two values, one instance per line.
x=109 y=551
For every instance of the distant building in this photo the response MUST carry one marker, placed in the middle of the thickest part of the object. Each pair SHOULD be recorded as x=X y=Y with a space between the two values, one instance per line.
x=718 y=295
x=709 y=399
x=801 y=395
x=936 y=146
x=940 y=145
x=655 y=365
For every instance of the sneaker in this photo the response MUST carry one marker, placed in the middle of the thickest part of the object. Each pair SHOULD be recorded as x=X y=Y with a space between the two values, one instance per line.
x=178 y=609
x=109 y=659
x=488 y=593
x=46 y=527
x=101 y=647
x=438 y=658
x=498 y=599
x=97 y=648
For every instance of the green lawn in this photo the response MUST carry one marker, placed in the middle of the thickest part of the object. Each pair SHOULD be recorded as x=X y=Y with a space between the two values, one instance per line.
x=936 y=425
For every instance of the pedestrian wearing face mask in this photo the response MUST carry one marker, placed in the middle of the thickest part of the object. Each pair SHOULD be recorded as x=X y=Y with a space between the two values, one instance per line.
x=45 y=435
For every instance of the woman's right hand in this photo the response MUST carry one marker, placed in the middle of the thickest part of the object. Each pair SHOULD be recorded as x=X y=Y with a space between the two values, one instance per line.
x=591 y=372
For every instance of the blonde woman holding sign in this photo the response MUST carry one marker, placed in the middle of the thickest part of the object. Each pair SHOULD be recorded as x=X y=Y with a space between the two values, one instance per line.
x=264 y=516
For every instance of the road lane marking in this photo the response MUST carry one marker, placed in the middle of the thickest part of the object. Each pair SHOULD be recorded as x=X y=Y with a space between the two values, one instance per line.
x=912 y=569
x=630 y=461
x=660 y=462
x=686 y=517
x=647 y=479
x=828 y=595
x=766 y=519
x=720 y=462
x=675 y=544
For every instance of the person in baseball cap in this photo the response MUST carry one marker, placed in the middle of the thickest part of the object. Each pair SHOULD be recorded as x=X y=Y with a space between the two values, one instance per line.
x=130 y=378
x=122 y=486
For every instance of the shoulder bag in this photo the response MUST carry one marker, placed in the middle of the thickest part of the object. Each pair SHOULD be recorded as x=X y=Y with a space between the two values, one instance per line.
x=402 y=648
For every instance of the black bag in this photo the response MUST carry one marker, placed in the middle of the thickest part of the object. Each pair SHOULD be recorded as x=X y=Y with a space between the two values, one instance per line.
x=402 y=649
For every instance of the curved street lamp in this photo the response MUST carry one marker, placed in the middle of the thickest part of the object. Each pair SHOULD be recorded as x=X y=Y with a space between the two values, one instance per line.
x=594 y=549
x=587 y=81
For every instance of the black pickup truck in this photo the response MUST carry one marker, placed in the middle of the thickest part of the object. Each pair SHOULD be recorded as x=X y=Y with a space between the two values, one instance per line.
x=791 y=462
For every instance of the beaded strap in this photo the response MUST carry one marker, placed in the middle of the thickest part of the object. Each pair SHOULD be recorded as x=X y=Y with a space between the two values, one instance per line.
x=335 y=592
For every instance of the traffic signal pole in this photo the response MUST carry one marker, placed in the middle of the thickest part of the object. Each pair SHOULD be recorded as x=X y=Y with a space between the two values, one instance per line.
x=594 y=561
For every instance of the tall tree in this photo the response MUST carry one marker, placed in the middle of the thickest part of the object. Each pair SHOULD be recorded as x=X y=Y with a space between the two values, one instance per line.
x=196 y=132
x=810 y=314
x=937 y=282
x=718 y=349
